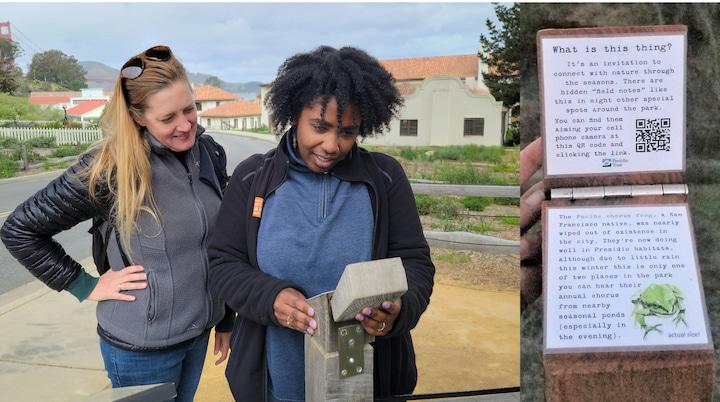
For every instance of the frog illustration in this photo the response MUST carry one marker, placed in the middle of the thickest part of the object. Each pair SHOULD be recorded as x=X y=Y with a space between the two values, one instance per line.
x=658 y=300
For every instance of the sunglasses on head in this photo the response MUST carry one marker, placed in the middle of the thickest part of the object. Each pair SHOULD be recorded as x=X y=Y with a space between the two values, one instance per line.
x=134 y=67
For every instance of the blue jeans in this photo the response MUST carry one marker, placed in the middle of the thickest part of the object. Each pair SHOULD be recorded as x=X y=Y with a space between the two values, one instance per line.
x=180 y=365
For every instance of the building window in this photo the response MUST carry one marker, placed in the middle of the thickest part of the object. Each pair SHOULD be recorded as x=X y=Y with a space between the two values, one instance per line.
x=235 y=123
x=408 y=127
x=217 y=103
x=198 y=106
x=474 y=127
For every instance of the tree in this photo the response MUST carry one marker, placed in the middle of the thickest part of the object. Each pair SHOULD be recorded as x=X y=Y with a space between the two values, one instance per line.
x=499 y=53
x=55 y=66
x=213 y=81
x=10 y=74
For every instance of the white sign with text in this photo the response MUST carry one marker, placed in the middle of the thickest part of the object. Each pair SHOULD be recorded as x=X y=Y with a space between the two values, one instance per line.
x=622 y=276
x=614 y=104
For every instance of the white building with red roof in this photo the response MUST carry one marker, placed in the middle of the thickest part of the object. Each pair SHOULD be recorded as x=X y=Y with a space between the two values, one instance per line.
x=446 y=103
x=208 y=97
x=235 y=115
x=88 y=111
x=55 y=100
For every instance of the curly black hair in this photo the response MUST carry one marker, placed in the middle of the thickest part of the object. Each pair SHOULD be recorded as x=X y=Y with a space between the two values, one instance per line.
x=349 y=75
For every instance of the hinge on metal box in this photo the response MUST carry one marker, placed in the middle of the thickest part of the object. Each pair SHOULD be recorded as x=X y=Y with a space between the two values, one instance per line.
x=351 y=350
x=586 y=193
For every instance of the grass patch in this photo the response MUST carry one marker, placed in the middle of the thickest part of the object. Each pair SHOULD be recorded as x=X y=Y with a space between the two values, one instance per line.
x=463 y=174
x=454 y=258
x=510 y=220
x=464 y=153
x=260 y=130
x=460 y=226
x=8 y=167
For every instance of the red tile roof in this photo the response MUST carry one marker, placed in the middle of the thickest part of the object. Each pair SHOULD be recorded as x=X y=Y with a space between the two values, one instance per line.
x=234 y=109
x=49 y=100
x=84 y=107
x=210 y=93
x=441 y=66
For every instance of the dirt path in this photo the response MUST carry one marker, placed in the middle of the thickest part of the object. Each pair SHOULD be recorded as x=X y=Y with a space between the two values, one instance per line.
x=469 y=337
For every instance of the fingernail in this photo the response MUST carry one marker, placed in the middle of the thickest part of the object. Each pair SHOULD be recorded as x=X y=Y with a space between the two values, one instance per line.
x=313 y=324
x=311 y=312
x=309 y=330
x=367 y=311
x=386 y=305
x=359 y=317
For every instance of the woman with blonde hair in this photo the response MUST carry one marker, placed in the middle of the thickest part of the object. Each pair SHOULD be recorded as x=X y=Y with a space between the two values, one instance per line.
x=152 y=184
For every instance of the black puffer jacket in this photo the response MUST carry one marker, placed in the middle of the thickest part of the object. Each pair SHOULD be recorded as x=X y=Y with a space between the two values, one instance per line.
x=236 y=278
x=27 y=232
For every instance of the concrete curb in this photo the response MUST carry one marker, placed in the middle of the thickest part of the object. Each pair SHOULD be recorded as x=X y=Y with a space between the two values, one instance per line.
x=30 y=176
x=22 y=295
x=472 y=241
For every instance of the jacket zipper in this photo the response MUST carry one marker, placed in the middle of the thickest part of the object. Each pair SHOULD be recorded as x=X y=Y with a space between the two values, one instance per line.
x=203 y=222
x=323 y=195
x=151 y=298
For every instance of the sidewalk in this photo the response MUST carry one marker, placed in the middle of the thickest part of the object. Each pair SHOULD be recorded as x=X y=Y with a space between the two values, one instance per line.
x=49 y=349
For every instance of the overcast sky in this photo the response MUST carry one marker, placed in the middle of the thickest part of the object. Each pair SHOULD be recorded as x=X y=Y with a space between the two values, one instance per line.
x=244 y=41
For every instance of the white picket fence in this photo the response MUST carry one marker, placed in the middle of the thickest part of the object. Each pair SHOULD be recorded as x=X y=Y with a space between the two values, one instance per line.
x=62 y=135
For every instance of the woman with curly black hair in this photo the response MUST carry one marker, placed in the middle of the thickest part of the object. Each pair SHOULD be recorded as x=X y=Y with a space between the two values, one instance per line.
x=292 y=219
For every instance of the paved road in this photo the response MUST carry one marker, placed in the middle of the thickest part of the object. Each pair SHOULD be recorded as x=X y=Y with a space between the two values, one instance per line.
x=77 y=241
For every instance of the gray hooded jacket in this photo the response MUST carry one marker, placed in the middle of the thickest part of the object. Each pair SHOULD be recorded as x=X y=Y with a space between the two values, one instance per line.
x=176 y=305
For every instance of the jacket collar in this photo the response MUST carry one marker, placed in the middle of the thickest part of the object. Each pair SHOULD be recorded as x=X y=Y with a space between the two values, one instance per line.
x=351 y=168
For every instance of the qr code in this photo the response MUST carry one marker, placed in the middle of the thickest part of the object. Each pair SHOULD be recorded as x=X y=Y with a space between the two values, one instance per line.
x=652 y=135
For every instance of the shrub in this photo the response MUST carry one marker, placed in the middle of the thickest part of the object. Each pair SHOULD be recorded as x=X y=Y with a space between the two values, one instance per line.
x=8 y=142
x=68 y=150
x=8 y=167
x=477 y=204
x=424 y=204
x=507 y=201
x=443 y=206
x=41 y=142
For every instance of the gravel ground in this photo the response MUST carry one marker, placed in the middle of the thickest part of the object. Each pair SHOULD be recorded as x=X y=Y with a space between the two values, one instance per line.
x=475 y=270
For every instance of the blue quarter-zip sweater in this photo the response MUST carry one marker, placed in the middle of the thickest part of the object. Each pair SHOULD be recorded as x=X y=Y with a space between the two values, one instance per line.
x=312 y=226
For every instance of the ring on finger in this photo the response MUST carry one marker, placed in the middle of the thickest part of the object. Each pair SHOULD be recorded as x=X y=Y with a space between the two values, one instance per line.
x=382 y=328
x=289 y=320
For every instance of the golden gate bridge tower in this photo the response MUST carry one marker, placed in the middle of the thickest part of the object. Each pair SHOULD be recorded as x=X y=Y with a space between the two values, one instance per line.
x=6 y=31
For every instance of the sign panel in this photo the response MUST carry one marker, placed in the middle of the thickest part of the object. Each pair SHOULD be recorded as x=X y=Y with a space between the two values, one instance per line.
x=622 y=277
x=613 y=102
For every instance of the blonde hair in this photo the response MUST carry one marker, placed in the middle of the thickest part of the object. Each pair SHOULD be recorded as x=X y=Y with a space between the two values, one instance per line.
x=122 y=158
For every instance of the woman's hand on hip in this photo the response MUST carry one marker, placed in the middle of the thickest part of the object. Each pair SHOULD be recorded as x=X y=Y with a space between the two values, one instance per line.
x=293 y=311
x=379 y=321
x=112 y=284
